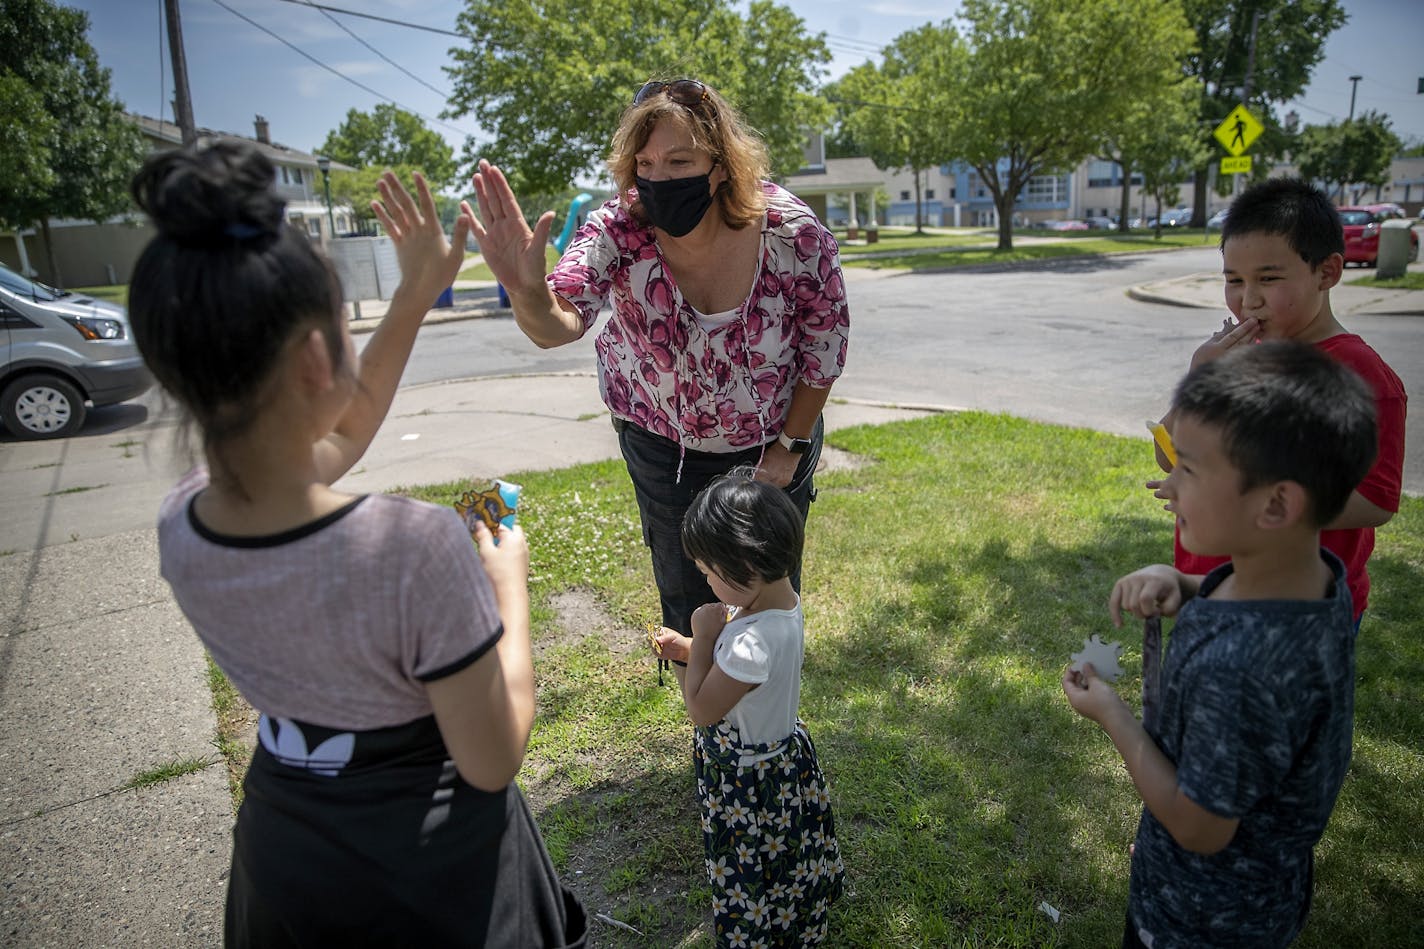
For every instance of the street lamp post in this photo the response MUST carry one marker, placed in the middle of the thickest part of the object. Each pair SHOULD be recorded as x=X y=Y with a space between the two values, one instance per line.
x=1354 y=83
x=324 y=164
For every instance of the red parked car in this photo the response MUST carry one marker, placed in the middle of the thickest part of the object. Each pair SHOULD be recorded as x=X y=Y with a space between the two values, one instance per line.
x=1362 y=230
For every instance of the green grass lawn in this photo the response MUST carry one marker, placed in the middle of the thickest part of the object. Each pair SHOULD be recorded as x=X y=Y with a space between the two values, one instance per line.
x=1412 y=280
x=940 y=251
x=481 y=271
x=946 y=583
x=116 y=293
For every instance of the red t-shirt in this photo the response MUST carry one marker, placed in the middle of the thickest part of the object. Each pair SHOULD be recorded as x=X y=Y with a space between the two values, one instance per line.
x=1382 y=483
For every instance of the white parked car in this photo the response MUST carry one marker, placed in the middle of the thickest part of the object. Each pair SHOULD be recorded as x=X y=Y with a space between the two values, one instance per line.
x=59 y=350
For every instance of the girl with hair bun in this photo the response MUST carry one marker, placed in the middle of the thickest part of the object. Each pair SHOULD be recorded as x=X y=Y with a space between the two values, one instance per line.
x=389 y=660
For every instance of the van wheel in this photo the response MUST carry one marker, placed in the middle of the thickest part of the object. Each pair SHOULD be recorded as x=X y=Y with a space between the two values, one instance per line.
x=42 y=406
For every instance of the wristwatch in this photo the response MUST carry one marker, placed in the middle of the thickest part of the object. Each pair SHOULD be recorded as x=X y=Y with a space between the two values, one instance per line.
x=797 y=446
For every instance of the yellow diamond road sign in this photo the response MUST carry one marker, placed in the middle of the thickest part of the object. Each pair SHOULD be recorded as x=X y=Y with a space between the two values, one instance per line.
x=1238 y=130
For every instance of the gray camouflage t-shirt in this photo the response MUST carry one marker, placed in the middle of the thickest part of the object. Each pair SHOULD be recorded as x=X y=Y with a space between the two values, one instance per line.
x=1257 y=710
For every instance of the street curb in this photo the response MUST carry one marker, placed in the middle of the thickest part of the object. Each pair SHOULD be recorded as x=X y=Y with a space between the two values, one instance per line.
x=1146 y=296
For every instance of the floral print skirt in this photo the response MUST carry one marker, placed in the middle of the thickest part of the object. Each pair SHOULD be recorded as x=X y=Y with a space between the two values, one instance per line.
x=769 y=837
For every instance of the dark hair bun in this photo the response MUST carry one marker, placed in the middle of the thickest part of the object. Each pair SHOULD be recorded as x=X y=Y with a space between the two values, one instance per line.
x=211 y=196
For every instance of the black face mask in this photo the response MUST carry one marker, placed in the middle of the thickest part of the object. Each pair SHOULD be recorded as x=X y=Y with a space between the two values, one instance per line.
x=676 y=205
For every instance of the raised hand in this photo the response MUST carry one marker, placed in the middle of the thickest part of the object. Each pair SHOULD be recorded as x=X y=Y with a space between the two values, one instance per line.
x=513 y=252
x=428 y=262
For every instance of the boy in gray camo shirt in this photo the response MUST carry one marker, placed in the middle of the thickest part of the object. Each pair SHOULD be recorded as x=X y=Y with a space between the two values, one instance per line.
x=1241 y=771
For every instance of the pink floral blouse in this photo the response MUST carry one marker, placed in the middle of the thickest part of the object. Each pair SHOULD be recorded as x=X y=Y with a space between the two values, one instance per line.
x=724 y=389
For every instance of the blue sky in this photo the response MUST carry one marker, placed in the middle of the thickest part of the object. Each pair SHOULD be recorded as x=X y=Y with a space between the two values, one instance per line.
x=237 y=71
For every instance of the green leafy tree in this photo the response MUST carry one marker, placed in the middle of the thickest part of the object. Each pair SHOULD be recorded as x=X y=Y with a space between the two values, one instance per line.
x=897 y=111
x=356 y=189
x=69 y=150
x=1156 y=136
x=388 y=137
x=551 y=80
x=1289 y=42
x=1354 y=152
x=1046 y=81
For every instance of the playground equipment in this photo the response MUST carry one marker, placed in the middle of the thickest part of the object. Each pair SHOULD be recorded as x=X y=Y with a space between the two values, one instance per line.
x=571 y=222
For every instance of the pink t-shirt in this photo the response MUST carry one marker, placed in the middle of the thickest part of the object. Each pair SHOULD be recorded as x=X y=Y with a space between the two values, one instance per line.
x=338 y=623
x=729 y=387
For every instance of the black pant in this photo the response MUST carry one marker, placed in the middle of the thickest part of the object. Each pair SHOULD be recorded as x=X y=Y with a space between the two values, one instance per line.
x=663 y=499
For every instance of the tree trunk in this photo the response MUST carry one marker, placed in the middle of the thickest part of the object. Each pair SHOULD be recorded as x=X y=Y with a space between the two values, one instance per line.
x=1126 y=199
x=1004 y=204
x=55 y=277
x=1198 y=198
x=919 y=205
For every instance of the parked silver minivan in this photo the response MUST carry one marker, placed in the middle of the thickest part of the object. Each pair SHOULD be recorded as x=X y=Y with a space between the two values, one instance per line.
x=59 y=350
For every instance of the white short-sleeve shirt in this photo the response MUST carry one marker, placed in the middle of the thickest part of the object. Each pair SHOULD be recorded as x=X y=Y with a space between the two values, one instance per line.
x=765 y=648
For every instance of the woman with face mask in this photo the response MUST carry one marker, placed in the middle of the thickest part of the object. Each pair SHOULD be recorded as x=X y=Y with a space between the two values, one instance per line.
x=729 y=320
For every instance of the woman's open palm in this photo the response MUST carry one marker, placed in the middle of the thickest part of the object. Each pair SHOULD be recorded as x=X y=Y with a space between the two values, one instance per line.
x=514 y=253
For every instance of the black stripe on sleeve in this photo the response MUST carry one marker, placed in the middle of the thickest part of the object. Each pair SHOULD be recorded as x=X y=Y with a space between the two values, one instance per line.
x=465 y=661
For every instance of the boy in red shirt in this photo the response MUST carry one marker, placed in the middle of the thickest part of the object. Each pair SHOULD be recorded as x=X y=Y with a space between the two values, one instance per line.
x=1282 y=249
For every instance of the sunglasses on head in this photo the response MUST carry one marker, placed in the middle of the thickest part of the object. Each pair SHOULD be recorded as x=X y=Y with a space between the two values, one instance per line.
x=687 y=92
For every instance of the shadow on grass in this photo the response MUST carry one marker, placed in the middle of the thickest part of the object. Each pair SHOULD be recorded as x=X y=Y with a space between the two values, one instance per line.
x=947 y=583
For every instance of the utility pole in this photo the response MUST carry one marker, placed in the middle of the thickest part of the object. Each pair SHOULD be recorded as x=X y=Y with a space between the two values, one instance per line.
x=182 y=102
x=1354 y=84
x=1245 y=99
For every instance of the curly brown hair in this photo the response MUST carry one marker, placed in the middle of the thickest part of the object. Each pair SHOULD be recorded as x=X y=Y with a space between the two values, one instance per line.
x=715 y=127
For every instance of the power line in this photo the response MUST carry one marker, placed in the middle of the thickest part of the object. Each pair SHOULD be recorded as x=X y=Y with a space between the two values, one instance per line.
x=439 y=92
x=334 y=71
x=371 y=16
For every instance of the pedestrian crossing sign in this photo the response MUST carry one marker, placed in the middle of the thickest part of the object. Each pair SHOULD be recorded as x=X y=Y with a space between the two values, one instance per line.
x=1238 y=130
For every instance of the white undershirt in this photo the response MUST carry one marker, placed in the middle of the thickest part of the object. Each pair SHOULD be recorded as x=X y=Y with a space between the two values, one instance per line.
x=715 y=320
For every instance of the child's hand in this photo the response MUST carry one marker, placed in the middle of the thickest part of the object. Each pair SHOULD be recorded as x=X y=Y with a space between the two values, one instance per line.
x=1151 y=591
x=708 y=620
x=507 y=563
x=1156 y=488
x=1089 y=695
x=428 y=262
x=1221 y=342
x=671 y=645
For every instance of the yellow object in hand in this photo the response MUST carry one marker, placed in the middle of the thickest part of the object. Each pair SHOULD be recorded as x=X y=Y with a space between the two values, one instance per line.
x=1163 y=440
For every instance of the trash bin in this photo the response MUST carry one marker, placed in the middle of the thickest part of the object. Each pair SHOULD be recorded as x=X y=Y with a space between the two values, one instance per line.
x=503 y=297
x=446 y=298
x=1394 y=250
x=872 y=235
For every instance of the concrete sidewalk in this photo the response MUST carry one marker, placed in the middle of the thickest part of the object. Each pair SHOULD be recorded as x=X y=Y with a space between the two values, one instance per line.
x=102 y=682
x=1206 y=290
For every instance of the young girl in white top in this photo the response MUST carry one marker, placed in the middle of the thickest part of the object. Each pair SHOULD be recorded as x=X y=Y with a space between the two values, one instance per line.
x=767 y=829
x=389 y=661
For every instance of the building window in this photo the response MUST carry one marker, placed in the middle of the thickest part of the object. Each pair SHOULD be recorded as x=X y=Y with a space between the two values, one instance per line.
x=296 y=176
x=929 y=194
x=952 y=195
x=904 y=195
x=314 y=226
x=1046 y=189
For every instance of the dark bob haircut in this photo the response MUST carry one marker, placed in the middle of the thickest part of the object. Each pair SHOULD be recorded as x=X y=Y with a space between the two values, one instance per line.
x=744 y=528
